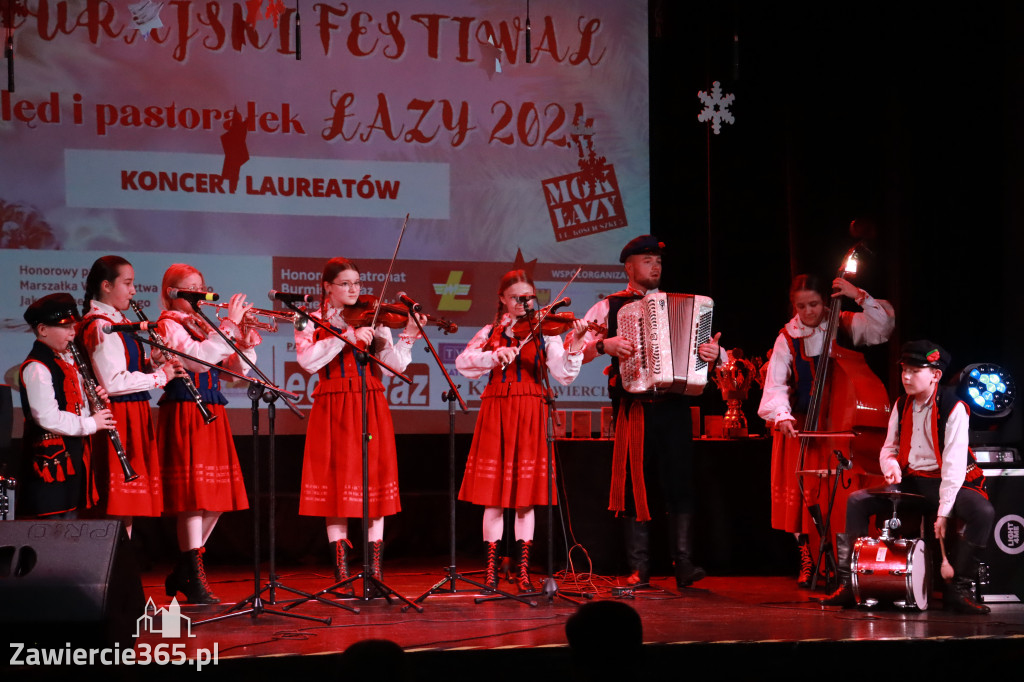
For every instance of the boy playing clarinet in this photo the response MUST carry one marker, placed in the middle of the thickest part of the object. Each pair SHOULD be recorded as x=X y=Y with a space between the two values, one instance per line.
x=57 y=415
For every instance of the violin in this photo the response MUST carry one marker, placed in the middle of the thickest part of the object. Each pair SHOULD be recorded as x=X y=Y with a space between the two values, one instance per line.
x=550 y=324
x=392 y=315
x=553 y=324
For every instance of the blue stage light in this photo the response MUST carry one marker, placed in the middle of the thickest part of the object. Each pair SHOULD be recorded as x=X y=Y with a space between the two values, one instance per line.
x=988 y=389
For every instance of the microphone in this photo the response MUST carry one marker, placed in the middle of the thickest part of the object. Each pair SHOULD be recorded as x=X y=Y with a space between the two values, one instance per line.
x=298 y=32
x=409 y=303
x=9 y=55
x=527 y=303
x=275 y=295
x=192 y=296
x=128 y=327
x=844 y=463
x=528 y=53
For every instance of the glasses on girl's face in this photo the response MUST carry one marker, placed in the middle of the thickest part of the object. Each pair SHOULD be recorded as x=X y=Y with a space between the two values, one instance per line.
x=356 y=286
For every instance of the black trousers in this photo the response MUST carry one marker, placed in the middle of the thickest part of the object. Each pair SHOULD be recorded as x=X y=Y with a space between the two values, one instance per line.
x=668 y=458
x=971 y=507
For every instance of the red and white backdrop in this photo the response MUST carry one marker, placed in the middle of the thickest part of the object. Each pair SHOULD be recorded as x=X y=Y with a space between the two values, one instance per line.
x=189 y=131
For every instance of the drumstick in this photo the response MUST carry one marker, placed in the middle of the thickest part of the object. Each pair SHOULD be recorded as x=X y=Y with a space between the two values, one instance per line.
x=946 y=570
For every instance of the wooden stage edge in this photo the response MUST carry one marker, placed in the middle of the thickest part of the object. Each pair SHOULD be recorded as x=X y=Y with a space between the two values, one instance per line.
x=739 y=627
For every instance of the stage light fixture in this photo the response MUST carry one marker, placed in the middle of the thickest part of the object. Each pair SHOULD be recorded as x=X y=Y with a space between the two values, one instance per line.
x=988 y=389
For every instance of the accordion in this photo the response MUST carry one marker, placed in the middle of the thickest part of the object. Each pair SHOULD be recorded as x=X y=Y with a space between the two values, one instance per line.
x=666 y=330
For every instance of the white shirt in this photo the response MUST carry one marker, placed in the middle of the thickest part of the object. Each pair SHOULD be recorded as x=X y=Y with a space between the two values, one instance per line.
x=43 y=405
x=108 y=357
x=474 y=361
x=868 y=328
x=922 y=450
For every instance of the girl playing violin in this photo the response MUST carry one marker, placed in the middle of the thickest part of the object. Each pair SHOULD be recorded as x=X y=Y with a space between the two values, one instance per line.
x=508 y=461
x=787 y=389
x=123 y=370
x=332 y=467
x=202 y=476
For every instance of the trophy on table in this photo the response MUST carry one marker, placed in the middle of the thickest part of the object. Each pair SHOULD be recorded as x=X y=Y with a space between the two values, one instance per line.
x=734 y=378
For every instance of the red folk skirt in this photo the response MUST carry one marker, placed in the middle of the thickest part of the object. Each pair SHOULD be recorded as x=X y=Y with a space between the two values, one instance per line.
x=199 y=464
x=508 y=461
x=332 y=466
x=111 y=494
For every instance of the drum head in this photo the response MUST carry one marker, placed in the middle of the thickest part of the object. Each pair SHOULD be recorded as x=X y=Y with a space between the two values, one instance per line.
x=919 y=582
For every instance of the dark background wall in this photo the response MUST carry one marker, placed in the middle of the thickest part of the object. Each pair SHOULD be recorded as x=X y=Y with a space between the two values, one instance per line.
x=903 y=114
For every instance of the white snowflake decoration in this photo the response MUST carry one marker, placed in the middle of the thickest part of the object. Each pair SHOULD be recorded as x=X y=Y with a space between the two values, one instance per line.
x=716 y=107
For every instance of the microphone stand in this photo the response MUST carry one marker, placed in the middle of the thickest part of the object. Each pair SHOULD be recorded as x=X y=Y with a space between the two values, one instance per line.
x=452 y=574
x=257 y=390
x=372 y=586
x=825 y=553
x=550 y=586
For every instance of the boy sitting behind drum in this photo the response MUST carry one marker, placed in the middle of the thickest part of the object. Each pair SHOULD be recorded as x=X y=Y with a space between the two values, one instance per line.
x=926 y=453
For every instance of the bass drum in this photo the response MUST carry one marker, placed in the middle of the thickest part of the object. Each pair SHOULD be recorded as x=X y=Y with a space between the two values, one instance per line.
x=891 y=571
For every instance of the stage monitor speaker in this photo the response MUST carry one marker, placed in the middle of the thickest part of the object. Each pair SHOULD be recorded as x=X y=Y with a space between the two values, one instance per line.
x=6 y=431
x=68 y=582
x=1005 y=552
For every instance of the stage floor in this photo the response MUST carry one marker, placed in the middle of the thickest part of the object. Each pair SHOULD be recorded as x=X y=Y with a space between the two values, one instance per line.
x=747 y=625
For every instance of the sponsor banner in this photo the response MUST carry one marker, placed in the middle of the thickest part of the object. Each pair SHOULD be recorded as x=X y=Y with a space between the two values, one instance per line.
x=461 y=292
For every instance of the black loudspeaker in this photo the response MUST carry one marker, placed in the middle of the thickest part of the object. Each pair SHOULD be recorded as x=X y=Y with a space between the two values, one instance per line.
x=8 y=465
x=67 y=582
x=1005 y=551
x=6 y=431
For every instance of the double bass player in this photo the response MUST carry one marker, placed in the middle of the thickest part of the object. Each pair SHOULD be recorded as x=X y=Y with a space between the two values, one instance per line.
x=787 y=395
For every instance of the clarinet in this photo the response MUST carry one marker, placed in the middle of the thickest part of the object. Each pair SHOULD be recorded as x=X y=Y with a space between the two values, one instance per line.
x=189 y=384
x=97 y=404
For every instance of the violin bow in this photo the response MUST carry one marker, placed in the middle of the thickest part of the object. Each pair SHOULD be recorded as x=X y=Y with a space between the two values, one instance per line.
x=376 y=313
x=391 y=267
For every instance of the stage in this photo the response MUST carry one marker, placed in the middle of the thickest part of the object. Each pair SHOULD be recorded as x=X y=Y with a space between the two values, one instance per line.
x=747 y=619
x=761 y=625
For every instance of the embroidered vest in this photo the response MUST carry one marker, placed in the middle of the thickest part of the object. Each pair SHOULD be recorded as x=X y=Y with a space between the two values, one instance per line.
x=134 y=355
x=207 y=383
x=944 y=402
x=804 y=367
x=526 y=368
x=65 y=388
x=615 y=303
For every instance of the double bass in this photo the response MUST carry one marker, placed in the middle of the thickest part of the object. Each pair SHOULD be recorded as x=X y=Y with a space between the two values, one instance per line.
x=845 y=427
